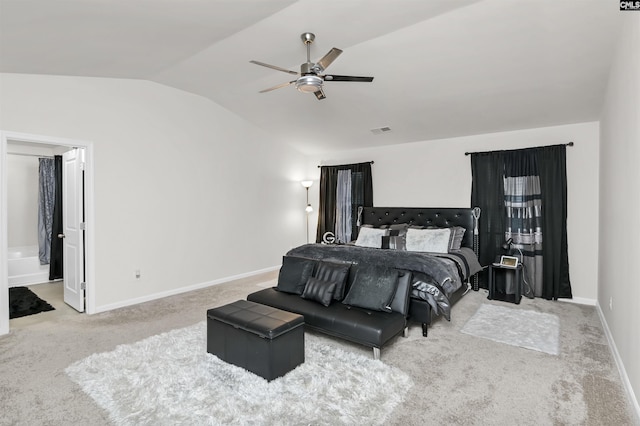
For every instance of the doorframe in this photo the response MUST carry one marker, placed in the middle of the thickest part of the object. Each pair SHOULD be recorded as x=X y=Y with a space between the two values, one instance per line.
x=5 y=137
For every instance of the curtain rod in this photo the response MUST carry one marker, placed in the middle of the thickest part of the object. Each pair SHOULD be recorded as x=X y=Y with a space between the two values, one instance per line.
x=338 y=165
x=469 y=153
x=29 y=155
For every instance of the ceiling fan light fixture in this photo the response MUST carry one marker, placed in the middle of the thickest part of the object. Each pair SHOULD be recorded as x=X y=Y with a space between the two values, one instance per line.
x=309 y=83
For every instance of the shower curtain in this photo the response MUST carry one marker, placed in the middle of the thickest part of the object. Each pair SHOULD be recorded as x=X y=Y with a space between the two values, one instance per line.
x=46 y=201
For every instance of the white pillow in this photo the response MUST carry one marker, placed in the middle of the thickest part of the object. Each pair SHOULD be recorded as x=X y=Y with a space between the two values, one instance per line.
x=431 y=240
x=370 y=237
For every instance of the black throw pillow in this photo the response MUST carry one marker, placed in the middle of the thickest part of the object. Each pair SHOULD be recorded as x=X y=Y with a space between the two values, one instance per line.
x=394 y=242
x=400 y=301
x=319 y=290
x=373 y=288
x=294 y=273
x=334 y=272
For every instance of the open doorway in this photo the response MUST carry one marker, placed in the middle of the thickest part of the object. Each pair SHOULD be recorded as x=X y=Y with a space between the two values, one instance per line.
x=78 y=285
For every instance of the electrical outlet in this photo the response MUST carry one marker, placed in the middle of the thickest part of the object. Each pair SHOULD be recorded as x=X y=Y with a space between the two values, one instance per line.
x=137 y=274
x=611 y=303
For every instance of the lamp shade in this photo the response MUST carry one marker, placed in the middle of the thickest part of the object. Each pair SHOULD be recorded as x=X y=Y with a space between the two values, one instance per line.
x=307 y=183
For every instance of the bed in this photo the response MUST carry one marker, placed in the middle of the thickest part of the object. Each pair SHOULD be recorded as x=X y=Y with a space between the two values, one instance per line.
x=439 y=279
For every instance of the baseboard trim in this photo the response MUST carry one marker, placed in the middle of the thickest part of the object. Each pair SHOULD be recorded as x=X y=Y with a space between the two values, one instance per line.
x=155 y=296
x=623 y=372
x=579 y=301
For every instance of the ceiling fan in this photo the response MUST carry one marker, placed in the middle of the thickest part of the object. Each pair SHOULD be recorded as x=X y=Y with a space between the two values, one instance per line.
x=310 y=80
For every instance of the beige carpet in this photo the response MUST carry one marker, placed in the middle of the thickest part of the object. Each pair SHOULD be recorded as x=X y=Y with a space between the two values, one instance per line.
x=459 y=379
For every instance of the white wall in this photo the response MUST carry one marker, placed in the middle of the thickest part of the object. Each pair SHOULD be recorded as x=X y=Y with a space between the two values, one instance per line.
x=22 y=200
x=438 y=174
x=185 y=191
x=620 y=202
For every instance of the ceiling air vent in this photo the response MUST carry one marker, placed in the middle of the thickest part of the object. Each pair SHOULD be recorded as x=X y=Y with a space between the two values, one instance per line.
x=381 y=130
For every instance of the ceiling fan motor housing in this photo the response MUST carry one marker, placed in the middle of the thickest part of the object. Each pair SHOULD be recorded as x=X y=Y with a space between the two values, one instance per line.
x=308 y=68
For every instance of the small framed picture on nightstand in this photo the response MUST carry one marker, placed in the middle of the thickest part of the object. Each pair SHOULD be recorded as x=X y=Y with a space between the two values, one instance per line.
x=509 y=261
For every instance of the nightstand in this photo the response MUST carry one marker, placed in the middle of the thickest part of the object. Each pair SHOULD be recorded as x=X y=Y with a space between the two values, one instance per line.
x=501 y=294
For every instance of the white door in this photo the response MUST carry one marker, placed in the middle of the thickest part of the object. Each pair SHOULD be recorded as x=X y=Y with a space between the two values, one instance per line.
x=73 y=228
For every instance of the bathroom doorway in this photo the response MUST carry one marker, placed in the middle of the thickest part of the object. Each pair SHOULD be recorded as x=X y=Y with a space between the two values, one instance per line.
x=79 y=281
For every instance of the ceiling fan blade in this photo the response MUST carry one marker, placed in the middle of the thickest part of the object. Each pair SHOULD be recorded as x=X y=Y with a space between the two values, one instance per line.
x=319 y=94
x=277 y=87
x=273 y=67
x=332 y=77
x=328 y=58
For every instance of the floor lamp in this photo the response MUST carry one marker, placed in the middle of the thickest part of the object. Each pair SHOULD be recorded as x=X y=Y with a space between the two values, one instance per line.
x=307 y=184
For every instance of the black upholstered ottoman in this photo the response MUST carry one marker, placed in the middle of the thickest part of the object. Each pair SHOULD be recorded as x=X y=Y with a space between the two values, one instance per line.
x=264 y=340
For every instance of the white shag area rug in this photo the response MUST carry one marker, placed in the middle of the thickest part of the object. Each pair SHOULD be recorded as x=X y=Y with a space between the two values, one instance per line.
x=516 y=327
x=170 y=379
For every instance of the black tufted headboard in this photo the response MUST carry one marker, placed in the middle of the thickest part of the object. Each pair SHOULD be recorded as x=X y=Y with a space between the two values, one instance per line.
x=428 y=216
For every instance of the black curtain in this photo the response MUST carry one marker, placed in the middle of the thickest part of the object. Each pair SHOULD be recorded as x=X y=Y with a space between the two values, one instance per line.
x=487 y=192
x=56 y=262
x=362 y=194
x=552 y=168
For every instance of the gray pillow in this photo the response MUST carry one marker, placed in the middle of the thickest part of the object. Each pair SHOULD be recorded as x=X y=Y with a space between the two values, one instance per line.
x=428 y=240
x=319 y=291
x=370 y=237
x=457 y=235
x=373 y=288
x=294 y=273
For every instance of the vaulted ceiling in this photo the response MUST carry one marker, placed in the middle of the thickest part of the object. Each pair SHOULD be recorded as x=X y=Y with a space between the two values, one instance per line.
x=442 y=68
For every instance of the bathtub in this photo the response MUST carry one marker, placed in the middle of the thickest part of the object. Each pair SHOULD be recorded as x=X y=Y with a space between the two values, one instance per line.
x=24 y=266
